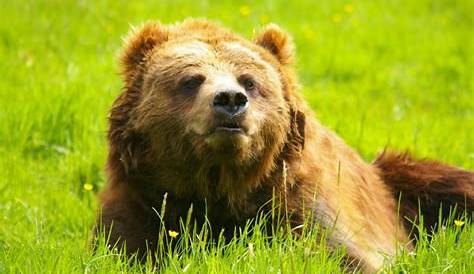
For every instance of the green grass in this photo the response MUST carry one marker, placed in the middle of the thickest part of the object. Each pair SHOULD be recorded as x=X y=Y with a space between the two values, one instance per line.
x=397 y=73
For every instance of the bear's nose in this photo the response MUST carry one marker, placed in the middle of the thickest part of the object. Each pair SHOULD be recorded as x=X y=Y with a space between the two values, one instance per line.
x=230 y=103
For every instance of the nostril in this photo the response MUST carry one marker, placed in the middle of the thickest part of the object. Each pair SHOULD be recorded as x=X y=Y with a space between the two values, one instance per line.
x=240 y=99
x=221 y=99
x=230 y=103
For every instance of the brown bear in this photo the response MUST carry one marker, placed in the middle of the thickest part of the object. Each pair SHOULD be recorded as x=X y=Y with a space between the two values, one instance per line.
x=217 y=122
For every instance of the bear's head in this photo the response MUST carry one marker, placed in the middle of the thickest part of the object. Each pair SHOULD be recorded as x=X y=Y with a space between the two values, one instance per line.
x=198 y=93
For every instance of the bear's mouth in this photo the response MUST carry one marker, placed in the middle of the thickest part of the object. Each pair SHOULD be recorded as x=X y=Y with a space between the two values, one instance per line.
x=230 y=127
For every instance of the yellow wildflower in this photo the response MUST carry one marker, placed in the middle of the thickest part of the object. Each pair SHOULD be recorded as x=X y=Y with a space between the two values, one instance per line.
x=348 y=8
x=173 y=234
x=88 y=187
x=336 y=18
x=458 y=223
x=244 y=10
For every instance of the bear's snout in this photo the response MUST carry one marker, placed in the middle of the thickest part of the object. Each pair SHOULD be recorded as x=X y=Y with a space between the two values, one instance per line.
x=230 y=103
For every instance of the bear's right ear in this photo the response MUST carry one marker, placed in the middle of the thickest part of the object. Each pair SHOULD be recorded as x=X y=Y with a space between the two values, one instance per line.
x=138 y=44
x=126 y=145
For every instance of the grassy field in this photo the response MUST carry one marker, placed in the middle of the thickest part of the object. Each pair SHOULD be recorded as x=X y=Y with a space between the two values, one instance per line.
x=396 y=73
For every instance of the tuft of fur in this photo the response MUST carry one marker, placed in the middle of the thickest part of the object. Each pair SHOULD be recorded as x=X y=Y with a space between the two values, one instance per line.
x=427 y=187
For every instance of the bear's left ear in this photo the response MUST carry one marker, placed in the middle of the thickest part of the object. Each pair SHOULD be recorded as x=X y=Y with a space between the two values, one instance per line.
x=277 y=42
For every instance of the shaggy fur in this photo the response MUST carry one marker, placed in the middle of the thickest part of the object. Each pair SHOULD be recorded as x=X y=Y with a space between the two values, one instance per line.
x=164 y=139
x=428 y=187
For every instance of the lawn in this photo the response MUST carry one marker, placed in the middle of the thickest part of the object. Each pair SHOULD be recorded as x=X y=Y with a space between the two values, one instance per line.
x=379 y=73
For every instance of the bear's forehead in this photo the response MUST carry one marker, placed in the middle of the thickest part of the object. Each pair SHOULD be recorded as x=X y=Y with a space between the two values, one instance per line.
x=192 y=48
x=226 y=55
x=201 y=51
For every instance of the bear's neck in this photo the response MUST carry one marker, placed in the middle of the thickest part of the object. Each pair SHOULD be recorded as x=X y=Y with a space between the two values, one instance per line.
x=227 y=183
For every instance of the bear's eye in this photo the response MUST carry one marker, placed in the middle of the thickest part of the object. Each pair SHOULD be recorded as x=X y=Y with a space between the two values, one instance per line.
x=191 y=83
x=247 y=82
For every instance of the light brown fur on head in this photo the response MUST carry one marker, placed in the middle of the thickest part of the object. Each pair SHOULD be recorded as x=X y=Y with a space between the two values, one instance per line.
x=171 y=132
x=159 y=122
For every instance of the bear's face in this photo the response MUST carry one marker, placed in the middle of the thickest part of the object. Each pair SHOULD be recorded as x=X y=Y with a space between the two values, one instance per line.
x=204 y=90
x=221 y=98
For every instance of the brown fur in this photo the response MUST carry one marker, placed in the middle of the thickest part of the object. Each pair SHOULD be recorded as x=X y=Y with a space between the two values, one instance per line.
x=161 y=141
x=428 y=187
